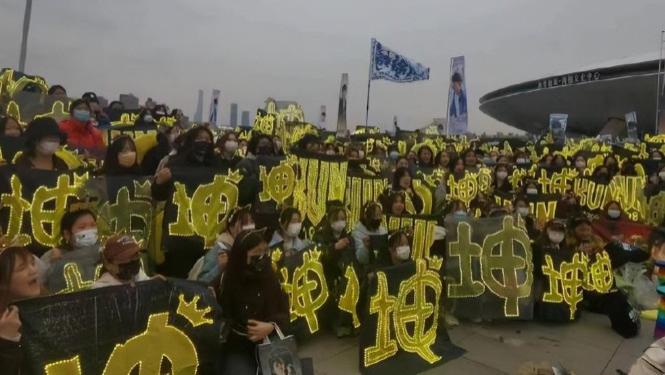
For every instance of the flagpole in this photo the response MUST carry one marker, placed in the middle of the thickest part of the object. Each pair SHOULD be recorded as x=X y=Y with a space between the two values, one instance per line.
x=448 y=103
x=369 y=80
x=659 y=92
x=24 y=36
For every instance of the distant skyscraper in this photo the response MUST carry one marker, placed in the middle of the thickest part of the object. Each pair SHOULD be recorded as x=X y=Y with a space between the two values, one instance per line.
x=198 y=115
x=214 y=108
x=341 y=109
x=245 y=118
x=234 y=115
x=129 y=101
x=103 y=102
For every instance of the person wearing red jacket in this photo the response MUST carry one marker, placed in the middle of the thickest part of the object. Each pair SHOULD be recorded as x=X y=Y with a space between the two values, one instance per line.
x=81 y=132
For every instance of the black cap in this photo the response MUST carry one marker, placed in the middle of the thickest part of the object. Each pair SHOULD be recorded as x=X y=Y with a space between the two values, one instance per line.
x=90 y=97
x=578 y=220
x=42 y=127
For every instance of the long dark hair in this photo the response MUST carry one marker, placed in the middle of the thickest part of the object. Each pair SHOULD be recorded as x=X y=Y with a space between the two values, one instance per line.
x=399 y=173
x=187 y=147
x=8 y=259
x=111 y=165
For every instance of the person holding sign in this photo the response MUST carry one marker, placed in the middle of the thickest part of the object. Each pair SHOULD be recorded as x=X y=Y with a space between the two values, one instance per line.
x=399 y=250
x=121 y=158
x=80 y=246
x=42 y=140
x=18 y=280
x=370 y=225
x=252 y=301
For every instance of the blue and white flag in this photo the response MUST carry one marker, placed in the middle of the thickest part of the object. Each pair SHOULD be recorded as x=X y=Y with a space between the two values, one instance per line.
x=391 y=66
x=458 y=116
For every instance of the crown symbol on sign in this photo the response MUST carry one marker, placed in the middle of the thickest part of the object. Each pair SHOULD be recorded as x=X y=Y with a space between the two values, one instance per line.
x=189 y=311
x=435 y=263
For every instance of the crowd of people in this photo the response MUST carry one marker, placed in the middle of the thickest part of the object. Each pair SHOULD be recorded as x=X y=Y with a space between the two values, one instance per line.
x=238 y=265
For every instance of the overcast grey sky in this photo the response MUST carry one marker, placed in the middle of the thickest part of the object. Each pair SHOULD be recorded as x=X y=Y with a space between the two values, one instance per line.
x=297 y=49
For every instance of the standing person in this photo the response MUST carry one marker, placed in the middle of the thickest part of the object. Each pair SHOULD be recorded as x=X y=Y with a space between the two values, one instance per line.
x=42 y=140
x=252 y=301
x=121 y=263
x=166 y=145
x=121 y=158
x=18 y=281
x=81 y=132
x=196 y=152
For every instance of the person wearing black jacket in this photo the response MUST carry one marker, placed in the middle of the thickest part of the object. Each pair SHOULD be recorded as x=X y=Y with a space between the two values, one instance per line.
x=549 y=251
x=196 y=152
x=165 y=145
x=252 y=302
x=334 y=239
x=600 y=292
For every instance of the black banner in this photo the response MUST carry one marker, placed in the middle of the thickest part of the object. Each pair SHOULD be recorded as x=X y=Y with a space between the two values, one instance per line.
x=169 y=325
x=401 y=332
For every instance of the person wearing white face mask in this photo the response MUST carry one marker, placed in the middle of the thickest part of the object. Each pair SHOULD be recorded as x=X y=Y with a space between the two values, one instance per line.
x=80 y=246
x=213 y=264
x=287 y=236
x=501 y=183
x=334 y=240
x=227 y=146
x=522 y=208
x=580 y=163
x=550 y=249
x=399 y=250
x=43 y=139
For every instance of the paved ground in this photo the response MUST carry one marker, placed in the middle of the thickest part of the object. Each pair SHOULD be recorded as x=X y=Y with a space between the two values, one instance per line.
x=587 y=347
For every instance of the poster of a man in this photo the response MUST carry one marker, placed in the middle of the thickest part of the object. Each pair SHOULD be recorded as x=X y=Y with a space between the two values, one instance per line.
x=457 y=104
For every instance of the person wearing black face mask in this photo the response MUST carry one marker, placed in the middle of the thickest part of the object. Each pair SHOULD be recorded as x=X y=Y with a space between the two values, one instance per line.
x=368 y=226
x=196 y=152
x=252 y=301
x=122 y=263
x=259 y=145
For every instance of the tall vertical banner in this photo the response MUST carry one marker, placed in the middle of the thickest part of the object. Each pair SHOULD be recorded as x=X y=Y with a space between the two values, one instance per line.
x=322 y=117
x=341 y=109
x=558 y=125
x=198 y=115
x=660 y=111
x=631 y=126
x=214 y=105
x=458 y=116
